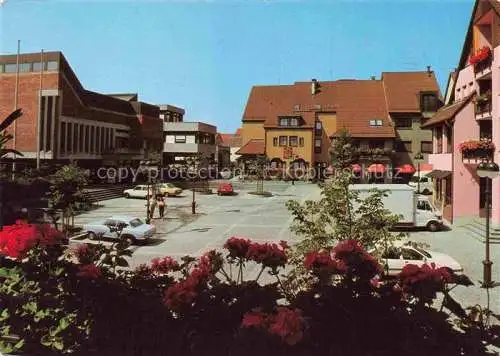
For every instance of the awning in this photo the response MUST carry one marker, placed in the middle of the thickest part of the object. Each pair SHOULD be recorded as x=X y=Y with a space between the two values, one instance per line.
x=376 y=168
x=438 y=174
x=356 y=168
x=406 y=168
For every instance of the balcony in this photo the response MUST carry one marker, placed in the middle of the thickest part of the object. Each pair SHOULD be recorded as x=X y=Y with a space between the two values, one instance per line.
x=374 y=154
x=475 y=151
x=441 y=161
x=482 y=61
x=483 y=107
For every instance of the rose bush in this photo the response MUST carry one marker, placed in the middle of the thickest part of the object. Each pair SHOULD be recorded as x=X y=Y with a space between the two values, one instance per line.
x=60 y=299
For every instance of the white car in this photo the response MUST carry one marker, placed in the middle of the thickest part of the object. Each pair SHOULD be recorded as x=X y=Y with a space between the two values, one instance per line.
x=139 y=191
x=133 y=229
x=397 y=257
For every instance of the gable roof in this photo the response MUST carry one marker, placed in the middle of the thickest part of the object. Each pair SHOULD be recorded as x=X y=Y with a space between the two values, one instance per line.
x=355 y=103
x=403 y=89
x=253 y=147
x=466 y=47
x=448 y=112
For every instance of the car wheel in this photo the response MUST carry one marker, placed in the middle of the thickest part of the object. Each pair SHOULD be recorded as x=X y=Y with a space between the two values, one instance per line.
x=92 y=235
x=426 y=191
x=218 y=193
x=127 y=195
x=433 y=226
x=129 y=238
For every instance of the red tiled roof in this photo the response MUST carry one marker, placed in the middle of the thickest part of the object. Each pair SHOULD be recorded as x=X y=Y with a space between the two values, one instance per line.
x=225 y=138
x=447 y=112
x=252 y=147
x=230 y=140
x=238 y=132
x=355 y=103
x=403 y=89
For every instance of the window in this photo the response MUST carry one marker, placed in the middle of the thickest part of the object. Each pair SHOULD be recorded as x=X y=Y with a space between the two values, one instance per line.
x=403 y=123
x=426 y=146
x=87 y=138
x=69 y=135
x=283 y=121
x=376 y=144
x=275 y=141
x=429 y=102
x=24 y=67
x=403 y=146
x=319 y=128
x=301 y=141
x=180 y=139
x=52 y=65
x=317 y=146
x=409 y=254
x=75 y=138
x=37 y=66
x=62 y=135
x=1 y=68
x=294 y=122
x=98 y=139
x=92 y=139
x=80 y=139
x=293 y=141
x=375 y=123
x=10 y=68
x=283 y=140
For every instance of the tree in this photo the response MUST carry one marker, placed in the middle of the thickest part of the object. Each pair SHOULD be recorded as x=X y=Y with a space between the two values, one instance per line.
x=66 y=190
x=342 y=151
x=258 y=166
x=5 y=137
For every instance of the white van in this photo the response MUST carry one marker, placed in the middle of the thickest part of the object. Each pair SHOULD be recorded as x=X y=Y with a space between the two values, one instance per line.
x=425 y=182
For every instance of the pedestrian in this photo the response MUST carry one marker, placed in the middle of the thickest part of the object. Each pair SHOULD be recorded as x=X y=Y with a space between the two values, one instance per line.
x=161 y=206
x=152 y=206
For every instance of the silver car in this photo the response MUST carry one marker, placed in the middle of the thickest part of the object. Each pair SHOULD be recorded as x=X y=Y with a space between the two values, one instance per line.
x=132 y=229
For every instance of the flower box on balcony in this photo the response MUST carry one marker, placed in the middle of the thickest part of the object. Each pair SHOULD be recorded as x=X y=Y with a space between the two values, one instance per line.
x=477 y=148
x=480 y=56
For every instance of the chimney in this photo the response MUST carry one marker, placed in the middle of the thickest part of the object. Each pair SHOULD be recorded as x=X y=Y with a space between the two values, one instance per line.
x=373 y=77
x=314 y=86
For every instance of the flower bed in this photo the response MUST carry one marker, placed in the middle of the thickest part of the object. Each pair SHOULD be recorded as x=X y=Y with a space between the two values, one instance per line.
x=483 y=148
x=213 y=305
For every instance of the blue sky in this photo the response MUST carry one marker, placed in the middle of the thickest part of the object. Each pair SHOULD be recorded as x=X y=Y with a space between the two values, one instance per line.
x=206 y=55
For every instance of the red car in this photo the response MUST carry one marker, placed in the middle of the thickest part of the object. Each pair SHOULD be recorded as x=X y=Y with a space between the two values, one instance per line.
x=225 y=189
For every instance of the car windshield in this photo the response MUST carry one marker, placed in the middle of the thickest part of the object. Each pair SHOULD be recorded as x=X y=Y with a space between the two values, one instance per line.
x=136 y=222
x=423 y=252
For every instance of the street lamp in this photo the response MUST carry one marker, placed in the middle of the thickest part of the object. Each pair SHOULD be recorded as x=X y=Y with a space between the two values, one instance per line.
x=488 y=170
x=418 y=158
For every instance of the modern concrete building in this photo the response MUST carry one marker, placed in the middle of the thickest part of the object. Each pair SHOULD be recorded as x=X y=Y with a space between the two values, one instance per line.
x=171 y=113
x=185 y=139
x=74 y=124
x=467 y=130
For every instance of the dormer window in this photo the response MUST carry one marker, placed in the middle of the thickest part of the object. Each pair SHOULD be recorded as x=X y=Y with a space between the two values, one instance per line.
x=375 y=123
x=290 y=121
x=429 y=102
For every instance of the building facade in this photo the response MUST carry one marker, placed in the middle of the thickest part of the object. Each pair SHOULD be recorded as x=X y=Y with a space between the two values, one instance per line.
x=74 y=124
x=188 y=139
x=171 y=113
x=469 y=119
x=293 y=125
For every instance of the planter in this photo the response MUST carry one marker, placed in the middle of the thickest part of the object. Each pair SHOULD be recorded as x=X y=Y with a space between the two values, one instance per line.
x=479 y=153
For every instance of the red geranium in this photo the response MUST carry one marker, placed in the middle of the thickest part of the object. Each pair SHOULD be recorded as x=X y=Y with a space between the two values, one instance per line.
x=481 y=54
x=16 y=240
x=322 y=262
x=423 y=282
x=84 y=254
x=164 y=265
x=287 y=323
x=357 y=261
x=268 y=254
x=237 y=247
x=90 y=271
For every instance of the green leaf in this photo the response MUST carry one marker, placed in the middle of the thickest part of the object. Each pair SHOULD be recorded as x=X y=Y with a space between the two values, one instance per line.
x=4 y=315
x=19 y=344
x=63 y=324
x=121 y=262
x=6 y=347
x=59 y=345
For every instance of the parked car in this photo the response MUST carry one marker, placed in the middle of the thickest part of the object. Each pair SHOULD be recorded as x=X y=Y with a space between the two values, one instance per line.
x=395 y=258
x=132 y=229
x=168 y=189
x=421 y=180
x=416 y=211
x=225 y=189
x=139 y=191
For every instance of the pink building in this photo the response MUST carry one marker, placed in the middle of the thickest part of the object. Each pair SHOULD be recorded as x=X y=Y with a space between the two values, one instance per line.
x=471 y=114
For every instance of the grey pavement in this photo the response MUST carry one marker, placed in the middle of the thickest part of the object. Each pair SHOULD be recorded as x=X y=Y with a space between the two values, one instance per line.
x=267 y=219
